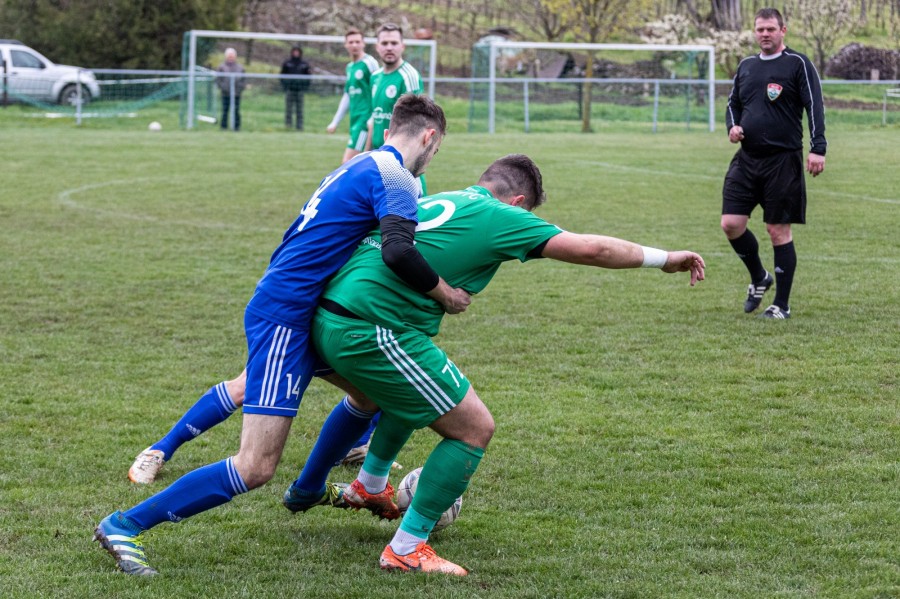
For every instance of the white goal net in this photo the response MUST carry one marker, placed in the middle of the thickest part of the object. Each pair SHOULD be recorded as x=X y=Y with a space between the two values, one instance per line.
x=262 y=55
x=538 y=86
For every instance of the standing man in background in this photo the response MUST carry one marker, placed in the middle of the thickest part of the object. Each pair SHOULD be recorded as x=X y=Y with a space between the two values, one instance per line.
x=294 y=88
x=357 y=98
x=395 y=78
x=765 y=115
x=231 y=83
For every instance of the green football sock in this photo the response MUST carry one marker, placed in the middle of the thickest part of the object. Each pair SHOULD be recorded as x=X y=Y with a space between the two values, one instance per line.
x=445 y=477
x=388 y=439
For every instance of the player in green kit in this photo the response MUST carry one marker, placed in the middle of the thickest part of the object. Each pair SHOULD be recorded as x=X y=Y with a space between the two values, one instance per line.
x=377 y=333
x=395 y=78
x=357 y=98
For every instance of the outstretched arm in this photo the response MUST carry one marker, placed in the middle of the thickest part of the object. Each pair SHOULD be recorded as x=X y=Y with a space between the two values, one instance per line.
x=611 y=252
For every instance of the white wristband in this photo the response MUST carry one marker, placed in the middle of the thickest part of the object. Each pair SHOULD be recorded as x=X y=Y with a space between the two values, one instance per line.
x=654 y=258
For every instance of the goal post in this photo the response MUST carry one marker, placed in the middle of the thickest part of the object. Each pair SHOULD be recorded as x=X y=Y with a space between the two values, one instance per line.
x=423 y=55
x=500 y=49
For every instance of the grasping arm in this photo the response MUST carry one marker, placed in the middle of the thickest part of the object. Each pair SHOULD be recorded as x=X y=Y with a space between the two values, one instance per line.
x=400 y=255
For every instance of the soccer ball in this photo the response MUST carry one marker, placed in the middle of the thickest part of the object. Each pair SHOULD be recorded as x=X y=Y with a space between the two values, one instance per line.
x=407 y=490
x=155 y=126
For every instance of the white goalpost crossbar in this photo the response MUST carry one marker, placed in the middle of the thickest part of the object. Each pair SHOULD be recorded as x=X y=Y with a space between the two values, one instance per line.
x=497 y=45
x=194 y=34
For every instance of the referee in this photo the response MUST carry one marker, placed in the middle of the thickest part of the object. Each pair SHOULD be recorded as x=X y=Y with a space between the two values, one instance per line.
x=765 y=114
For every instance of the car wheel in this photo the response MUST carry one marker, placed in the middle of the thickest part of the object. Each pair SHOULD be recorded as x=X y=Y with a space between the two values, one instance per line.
x=69 y=95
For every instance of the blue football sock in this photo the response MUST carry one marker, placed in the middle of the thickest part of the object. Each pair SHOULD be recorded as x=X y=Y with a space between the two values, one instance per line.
x=195 y=492
x=213 y=407
x=341 y=430
x=368 y=434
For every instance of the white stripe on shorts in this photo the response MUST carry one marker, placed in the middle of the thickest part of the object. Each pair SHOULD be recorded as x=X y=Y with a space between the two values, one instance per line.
x=361 y=141
x=413 y=373
x=274 y=362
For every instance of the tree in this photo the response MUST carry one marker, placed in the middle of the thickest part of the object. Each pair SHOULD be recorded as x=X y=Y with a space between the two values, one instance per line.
x=543 y=21
x=726 y=15
x=136 y=34
x=821 y=23
x=591 y=21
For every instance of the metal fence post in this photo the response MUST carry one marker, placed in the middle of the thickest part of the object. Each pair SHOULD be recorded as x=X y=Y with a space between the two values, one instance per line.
x=78 y=97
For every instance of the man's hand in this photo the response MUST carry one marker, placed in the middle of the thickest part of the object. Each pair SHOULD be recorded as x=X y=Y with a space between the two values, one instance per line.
x=736 y=134
x=684 y=261
x=456 y=301
x=331 y=128
x=815 y=164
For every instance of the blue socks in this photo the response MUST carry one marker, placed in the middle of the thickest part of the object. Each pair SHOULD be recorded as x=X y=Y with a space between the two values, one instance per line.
x=341 y=430
x=195 y=492
x=212 y=408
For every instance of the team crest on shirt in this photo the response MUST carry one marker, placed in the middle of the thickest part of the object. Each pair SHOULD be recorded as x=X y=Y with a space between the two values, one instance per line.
x=773 y=91
x=391 y=91
x=359 y=75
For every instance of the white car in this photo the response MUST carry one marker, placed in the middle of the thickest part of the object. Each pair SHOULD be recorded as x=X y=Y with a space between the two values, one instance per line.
x=27 y=73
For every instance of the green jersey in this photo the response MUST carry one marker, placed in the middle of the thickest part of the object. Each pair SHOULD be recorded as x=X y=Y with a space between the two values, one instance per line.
x=359 y=87
x=465 y=236
x=386 y=88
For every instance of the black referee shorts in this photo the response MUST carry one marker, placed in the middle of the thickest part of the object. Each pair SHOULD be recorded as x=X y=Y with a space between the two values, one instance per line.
x=774 y=182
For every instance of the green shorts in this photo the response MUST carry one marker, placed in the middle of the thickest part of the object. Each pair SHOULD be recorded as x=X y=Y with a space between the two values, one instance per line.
x=359 y=133
x=406 y=374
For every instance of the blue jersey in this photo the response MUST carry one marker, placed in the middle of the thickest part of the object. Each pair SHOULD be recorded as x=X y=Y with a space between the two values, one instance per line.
x=348 y=204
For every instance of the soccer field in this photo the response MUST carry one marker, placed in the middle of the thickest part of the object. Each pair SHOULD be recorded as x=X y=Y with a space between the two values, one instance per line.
x=652 y=439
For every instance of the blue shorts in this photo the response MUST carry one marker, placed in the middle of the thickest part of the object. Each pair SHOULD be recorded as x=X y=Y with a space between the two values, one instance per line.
x=280 y=364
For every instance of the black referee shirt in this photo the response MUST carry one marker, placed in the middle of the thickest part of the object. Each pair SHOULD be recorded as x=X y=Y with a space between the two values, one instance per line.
x=768 y=99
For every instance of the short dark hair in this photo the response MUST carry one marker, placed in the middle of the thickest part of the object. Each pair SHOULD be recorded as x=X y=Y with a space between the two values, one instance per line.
x=352 y=31
x=516 y=174
x=413 y=114
x=769 y=13
x=389 y=27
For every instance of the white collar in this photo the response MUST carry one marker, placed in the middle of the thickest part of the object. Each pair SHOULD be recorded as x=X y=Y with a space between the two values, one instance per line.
x=770 y=56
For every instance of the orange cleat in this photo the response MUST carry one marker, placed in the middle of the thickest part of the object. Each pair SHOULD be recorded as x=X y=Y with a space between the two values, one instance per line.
x=381 y=504
x=423 y=559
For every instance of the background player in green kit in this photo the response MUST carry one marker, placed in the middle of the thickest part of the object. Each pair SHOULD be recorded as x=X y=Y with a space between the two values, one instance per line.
x=377 y=333
x=357 y=98
x=395 y=78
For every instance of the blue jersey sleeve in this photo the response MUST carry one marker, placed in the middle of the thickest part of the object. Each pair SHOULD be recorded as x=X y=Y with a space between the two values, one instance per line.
x=399 y=189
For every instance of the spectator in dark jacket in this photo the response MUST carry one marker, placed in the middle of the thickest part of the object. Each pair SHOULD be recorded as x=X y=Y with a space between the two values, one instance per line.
x=293 y=87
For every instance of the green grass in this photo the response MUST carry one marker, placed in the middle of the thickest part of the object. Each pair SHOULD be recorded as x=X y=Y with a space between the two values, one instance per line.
x=652 y=440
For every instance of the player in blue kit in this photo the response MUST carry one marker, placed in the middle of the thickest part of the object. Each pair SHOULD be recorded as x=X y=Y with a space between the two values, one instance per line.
x=376 y=189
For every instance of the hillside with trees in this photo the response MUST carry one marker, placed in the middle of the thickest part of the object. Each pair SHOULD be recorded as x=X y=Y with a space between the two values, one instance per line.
x=145 y=34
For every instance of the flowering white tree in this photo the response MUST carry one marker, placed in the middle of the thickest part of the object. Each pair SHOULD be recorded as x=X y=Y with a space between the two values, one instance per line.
x=731 y=46
x=821 y=23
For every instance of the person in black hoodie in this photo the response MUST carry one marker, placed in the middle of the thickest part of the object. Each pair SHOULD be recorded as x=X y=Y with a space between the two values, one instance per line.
x=294 y=88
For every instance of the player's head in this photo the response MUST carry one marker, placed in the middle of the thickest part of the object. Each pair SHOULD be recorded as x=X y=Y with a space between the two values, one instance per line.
x=515 y=179
x=769 y=29
x=390 y=44
x=354 y=43
x=420 y=121
x=769 y=13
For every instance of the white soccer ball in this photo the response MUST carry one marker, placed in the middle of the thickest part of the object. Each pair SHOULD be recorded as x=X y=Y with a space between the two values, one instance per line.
x=155 y=126
x=407 y=490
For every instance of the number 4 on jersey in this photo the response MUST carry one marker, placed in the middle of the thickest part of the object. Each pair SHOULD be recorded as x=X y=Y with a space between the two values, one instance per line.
x=310 y=209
